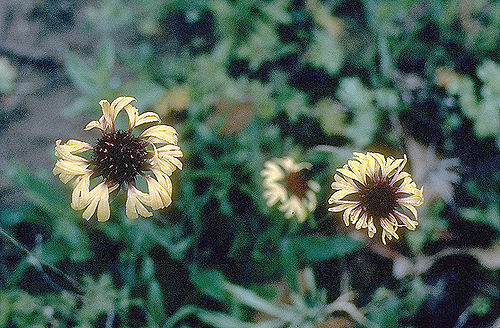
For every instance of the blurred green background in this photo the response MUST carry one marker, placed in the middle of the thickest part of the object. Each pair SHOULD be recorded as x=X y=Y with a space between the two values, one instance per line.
x=244 y=81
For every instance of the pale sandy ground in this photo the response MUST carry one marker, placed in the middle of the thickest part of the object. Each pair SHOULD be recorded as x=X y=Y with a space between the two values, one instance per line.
x=30 y=117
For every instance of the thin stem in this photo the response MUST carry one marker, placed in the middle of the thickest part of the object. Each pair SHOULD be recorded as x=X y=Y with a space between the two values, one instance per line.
x=181 y=314
x=37 y=263
x=110 y=318
x=343 y=304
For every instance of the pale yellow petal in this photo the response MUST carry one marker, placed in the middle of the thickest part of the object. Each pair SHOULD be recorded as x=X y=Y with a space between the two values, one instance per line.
x=346 y=215
x=272 y=171
x=350 y=174
x=389 y=228
x=147 y=117
x=361 y=223
x=409 y=223
x=74 y=146
x=171 y=153
x=67 y=170
x=314 y=186
x=294 y=207
x=132 y=113
x=106 y=114
x=163 y=179
x=136 y=200
x=372 y=230
x=416 y=199
x=165 y=160
x=101 y=125
x=80 y=194
x=117 y=105
x=103 y=210
x=99 y=199
x=310 y=201
x=159 y=196
x=342 y=207
x=274 y=193
x=68 y=150
x=355 y=214
x=412 y=209
x=160 y=134
x=291 y=166
x=341 y=194
x=371 y=164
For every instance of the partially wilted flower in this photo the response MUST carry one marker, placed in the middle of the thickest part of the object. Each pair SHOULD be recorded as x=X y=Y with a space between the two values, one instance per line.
x=374 y=191
x=437 y=174
x=285 y=183
x=117 y=159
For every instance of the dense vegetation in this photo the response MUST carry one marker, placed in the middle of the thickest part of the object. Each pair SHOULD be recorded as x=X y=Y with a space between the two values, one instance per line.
x=245 y=81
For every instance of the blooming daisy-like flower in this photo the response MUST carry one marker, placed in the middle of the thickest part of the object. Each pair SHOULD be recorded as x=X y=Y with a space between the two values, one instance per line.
x=375 y=191
x=285 y=183
x=117 y=159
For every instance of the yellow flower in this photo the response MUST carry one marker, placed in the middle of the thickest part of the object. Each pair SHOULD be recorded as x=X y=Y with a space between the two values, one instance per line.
x=117 y=159
x=285 y=183
x=176 y=99
x=374 y=191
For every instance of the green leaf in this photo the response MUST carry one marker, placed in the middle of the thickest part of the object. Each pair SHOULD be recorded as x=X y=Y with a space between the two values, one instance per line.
x=155 y=301
x=387 y=99
x=277 y=11
x=481 y=305
x=148 y=269
x=254 y=301
x=363 y=127
x=313 y=249
x=208 y=281
x=488 y=122
x=353 y=93
x=79 y=73
x=105 y=58
x=416 y=296
x=8 y=74
x=100 y=296
x=490 y=216
x=326 y=52
x=5 y=309
x=77 y=241
x=262 y=45
x=331 y=117
x=40 y=191
x=359 y=99
x=221 y=320
x=79 y=106
x=290 y=264
x=385 y=308
x=145 y=91
x=295 y=106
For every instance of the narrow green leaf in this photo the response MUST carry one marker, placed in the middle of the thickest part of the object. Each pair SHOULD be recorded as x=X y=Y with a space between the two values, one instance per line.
x=155 y=301
x=254 y=301
x=209 y=282
x=222 y=320
x=105 y=58
x=313 y=249
x=290 y=264
x=40 y=191
x=79 y=73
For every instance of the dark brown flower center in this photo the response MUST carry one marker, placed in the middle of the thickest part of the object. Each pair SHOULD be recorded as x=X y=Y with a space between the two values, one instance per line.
x=119 y=156
x=296 y=183
x=378 y=199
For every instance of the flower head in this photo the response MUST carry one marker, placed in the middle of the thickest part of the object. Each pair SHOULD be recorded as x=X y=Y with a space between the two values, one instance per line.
x=117 y=159
x=286 y=183
x=375 y=191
